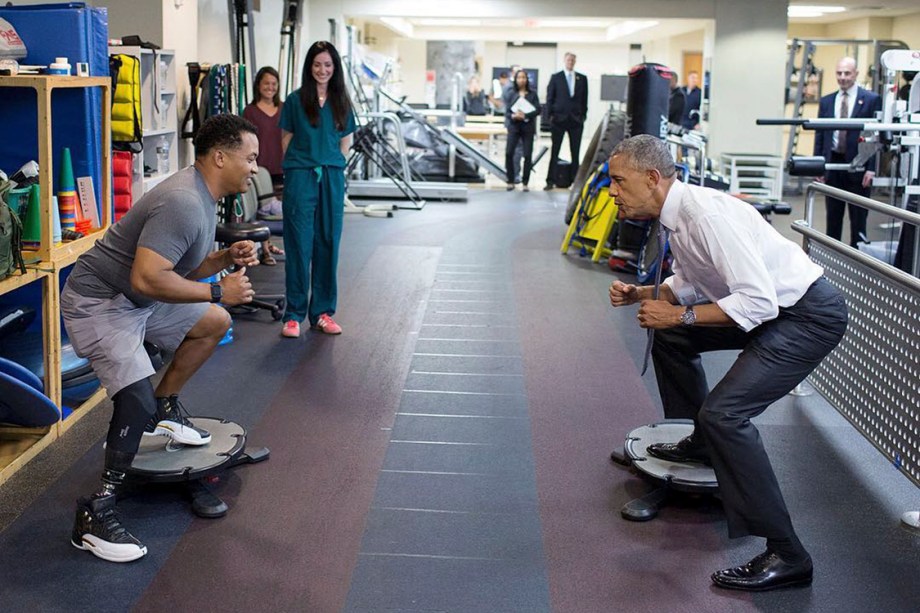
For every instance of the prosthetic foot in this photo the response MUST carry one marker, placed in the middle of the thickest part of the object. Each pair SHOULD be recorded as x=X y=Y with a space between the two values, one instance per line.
x=96 y=527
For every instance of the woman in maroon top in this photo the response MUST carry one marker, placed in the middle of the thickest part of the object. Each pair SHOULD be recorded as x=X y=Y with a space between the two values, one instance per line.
x=264 y=112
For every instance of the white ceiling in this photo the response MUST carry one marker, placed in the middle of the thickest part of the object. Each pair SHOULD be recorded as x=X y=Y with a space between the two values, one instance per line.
x=567 y=29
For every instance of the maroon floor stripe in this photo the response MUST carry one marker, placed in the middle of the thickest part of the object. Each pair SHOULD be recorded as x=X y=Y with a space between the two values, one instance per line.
x=293 y=532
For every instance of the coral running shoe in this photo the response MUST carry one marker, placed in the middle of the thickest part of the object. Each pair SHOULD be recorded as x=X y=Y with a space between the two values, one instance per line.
x=327 y=325
x=291 y=329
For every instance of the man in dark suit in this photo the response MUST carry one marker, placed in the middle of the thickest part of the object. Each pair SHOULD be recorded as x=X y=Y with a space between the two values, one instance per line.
x=567 y=108
x=841 y=146
x=676 y=102
x=690 y=118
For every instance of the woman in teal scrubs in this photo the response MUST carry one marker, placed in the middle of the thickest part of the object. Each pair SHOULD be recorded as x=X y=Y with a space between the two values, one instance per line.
x=316 y=125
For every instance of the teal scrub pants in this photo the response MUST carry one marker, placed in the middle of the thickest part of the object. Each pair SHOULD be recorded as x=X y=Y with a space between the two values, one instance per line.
x=314 y=208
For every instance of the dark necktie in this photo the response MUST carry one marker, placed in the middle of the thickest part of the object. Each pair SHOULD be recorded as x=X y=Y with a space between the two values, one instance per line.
x=659 y=264
x=844 y=114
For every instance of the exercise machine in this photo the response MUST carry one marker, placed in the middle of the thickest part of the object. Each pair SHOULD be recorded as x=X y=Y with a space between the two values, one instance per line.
x=398 y=152
x=897 y=131
x=799 y=74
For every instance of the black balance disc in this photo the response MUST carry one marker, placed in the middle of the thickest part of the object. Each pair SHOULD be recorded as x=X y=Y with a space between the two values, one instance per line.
x=160 y=460
x=691 y=478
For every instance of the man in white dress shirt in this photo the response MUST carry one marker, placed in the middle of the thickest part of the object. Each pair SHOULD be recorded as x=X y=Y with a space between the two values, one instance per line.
x=737 y=284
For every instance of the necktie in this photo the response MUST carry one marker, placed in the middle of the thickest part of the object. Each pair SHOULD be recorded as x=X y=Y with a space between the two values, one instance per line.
x=844 y=114
x=569 y=78
x=659 y=264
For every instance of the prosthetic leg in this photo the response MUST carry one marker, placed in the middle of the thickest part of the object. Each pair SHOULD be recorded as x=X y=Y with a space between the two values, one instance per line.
x=96 y=527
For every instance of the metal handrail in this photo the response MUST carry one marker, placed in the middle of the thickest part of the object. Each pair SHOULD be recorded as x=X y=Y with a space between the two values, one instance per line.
x=850 y=197
x=895 y=274
x=400 y=140
x=867 y=203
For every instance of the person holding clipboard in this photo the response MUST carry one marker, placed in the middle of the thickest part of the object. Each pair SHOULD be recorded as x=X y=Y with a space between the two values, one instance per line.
x=522 y=105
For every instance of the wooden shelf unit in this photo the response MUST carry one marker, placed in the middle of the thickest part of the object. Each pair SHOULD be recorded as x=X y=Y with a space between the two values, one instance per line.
x=19 y=445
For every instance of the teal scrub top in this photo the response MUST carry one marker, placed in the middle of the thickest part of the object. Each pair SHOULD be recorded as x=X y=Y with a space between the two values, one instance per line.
x=311 y=147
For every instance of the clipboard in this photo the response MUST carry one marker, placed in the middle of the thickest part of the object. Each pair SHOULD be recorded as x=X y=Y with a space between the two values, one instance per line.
x=522 y=105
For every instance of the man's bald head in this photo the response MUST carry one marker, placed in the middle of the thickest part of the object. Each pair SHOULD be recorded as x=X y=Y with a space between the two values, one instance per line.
x=846 y=73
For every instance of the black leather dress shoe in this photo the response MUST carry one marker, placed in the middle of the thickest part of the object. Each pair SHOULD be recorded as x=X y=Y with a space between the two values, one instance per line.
x=548 y=187
x=684 y=450
x=765 y=572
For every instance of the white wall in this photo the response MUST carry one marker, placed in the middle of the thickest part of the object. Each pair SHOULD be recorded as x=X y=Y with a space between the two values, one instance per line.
x=141 y=17
x=907 y=28
x=180 y=33
x=748 y=75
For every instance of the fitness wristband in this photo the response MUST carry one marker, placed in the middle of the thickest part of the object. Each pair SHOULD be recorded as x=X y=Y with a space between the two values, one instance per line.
x=216 y=292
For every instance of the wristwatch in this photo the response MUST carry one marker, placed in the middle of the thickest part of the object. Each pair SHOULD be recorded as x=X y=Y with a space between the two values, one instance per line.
x=688 y=317
x=216 y=292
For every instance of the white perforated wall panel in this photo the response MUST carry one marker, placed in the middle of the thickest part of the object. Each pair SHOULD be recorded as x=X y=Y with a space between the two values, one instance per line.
x=873 y=377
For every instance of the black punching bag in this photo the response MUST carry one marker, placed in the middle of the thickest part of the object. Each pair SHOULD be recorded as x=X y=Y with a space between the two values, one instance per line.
x=647 y=97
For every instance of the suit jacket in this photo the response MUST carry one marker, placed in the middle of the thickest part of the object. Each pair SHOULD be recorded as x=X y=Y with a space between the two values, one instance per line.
x=865 y=107
x=692 y=100
x=563 y=108
x=676 y=103
x=510 y=97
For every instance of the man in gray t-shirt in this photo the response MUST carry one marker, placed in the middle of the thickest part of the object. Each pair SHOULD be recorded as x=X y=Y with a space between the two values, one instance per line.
x=177 y=220
x=139 y=283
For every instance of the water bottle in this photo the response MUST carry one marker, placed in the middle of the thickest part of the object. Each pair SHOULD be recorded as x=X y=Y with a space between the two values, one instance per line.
x=163 y=156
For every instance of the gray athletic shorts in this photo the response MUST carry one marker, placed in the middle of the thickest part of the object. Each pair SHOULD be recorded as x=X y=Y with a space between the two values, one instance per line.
x=110 y=333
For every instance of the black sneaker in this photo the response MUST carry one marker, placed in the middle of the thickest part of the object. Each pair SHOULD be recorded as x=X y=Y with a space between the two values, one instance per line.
x=96 y=529
x=172 y=420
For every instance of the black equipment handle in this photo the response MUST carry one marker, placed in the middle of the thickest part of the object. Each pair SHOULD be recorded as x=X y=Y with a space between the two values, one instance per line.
x=781 y=122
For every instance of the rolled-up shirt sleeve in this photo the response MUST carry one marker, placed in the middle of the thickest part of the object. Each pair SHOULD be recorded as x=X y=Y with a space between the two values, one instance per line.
x=682 y=289
x=751 y=298
x=731 y=274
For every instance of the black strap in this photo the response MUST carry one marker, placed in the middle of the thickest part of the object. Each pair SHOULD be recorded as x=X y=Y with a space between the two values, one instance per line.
x=17 y=243
x=114 y=67
x=192 y=113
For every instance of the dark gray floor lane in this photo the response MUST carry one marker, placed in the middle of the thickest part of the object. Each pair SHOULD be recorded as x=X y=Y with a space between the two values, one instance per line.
x=456 y=503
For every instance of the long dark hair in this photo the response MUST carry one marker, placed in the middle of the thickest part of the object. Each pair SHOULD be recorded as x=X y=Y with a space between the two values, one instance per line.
x=256 y=96
x=335 y=92
x=526 y=85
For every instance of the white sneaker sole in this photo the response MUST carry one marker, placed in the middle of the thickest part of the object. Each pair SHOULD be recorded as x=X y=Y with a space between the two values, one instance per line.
x=111 y=552
x=182 y=435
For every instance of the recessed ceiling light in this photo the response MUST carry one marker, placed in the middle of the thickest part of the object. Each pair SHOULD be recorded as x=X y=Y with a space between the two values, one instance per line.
x=448 y=22
x=811 y=10
x=568 y=23
x=625 y=28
